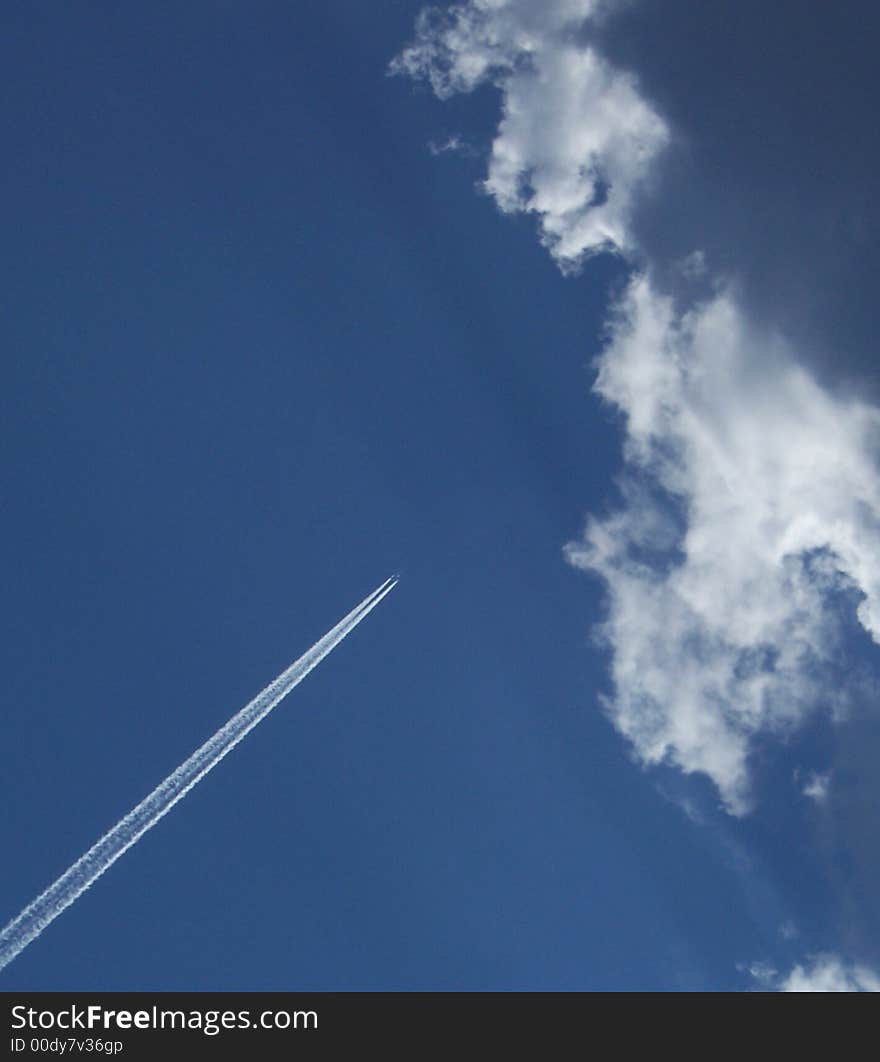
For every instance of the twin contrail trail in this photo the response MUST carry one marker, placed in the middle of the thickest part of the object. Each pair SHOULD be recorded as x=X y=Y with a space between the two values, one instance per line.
x=88 y=868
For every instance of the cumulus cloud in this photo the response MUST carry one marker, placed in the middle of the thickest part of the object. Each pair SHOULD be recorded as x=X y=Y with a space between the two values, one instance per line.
x=817 y=786
x=728 y=572
x=575 y=139
x=748 y=528
x=824 y=973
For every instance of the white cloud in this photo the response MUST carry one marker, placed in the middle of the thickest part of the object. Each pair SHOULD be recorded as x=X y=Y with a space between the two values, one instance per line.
x=829 y=973
x=451 y=144
x=720 y=624
x=817 y=786
x=575 y=137
x=751 y=503
x=459 y=47
x=762 y=972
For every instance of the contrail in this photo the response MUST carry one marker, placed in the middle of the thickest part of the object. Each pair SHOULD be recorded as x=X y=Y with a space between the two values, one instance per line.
x=88 y=868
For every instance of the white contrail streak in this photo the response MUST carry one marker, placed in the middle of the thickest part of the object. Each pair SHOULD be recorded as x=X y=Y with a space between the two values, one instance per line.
x=89 y=867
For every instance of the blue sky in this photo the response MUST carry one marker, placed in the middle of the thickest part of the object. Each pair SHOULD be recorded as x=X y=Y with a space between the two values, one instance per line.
x=265 y=347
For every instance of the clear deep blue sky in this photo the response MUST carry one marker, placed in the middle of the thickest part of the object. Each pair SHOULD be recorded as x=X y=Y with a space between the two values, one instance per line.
x=261 y=350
